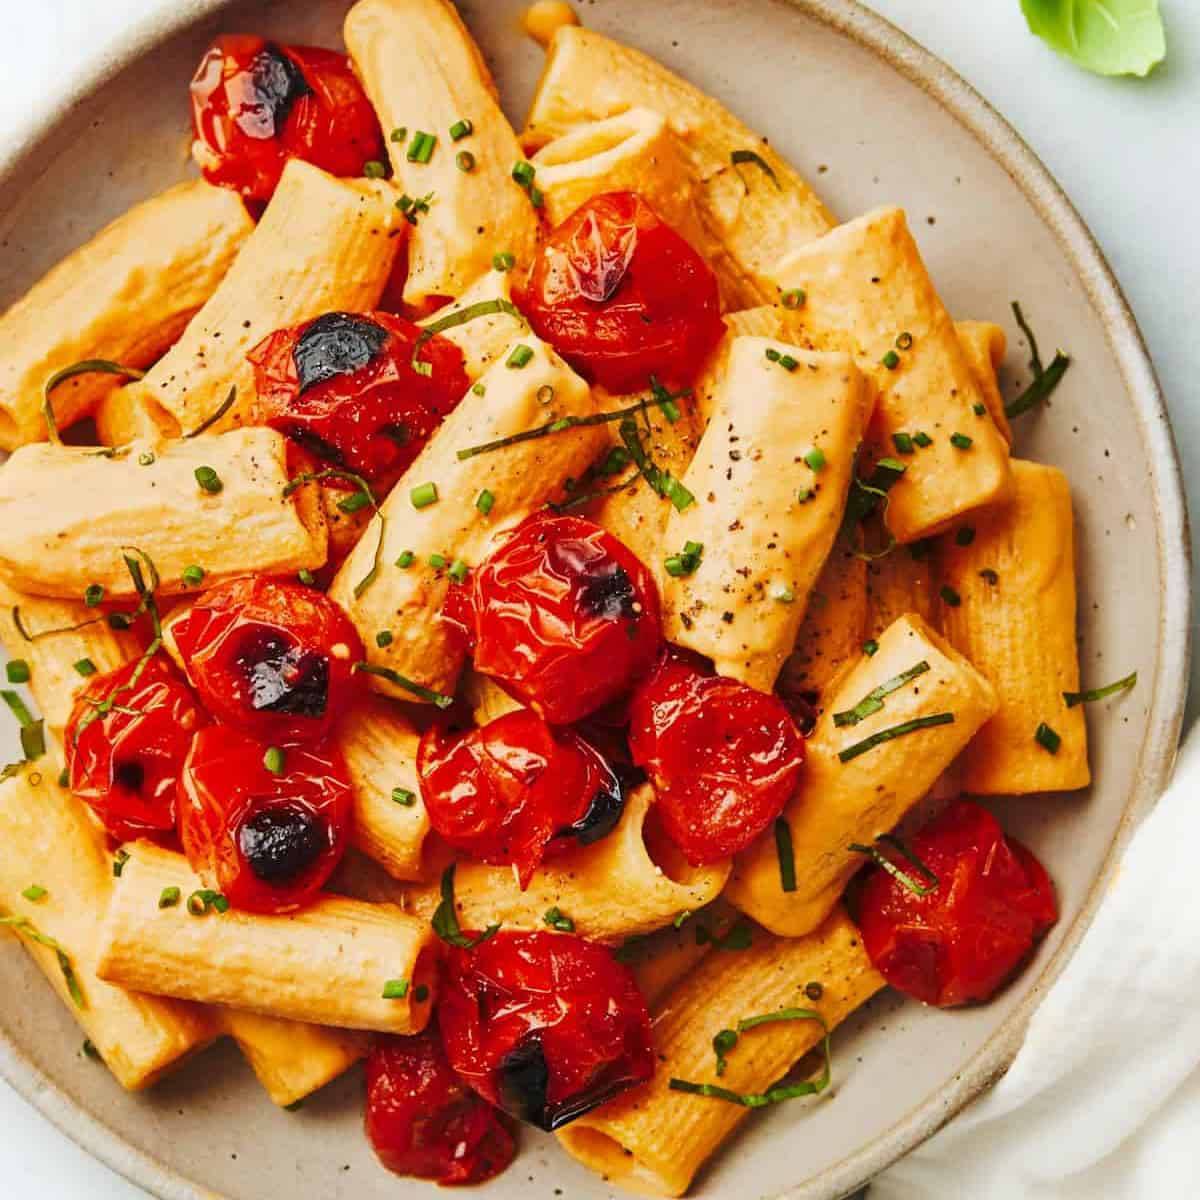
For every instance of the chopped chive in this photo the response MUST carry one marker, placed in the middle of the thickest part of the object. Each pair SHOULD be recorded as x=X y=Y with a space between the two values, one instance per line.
x=485 y=501
x=400 y=681
x=960 y=441
x=887 y=735
x=537 y=197
x=169 y=897
x=815 y=458
x=950 y=596
x=88 y=366
x=804 y=495
x=903 y=443
x=686 y=561
x=478 y=389
x=404 y=796
x=119 y=861
x=521 y=356
x=504 y=261
x=30 y=930
x=979 y=409
x=420 y=149
x=395 y=989
x=438 y=561
x=871 y=648
x=90 y=1051
x=400 y=134
x=557 y=919
x=306 y=577
x=722 y=1043
x=922 y=439
x=902 y=877
x=793 y=298
x=423 y=495
x=204 y=899
x=681 y=918
x=1047 y=738
x=208 y=480
x=405 y=560
x=459 y=571
x=193 y=575
x=1100 y=693
x=523 y=173
x=872 y=702
x=85 y=667
x=786 y=855
x=273 y=760
x=383 y=638
x=904 y=341
x=965 y=536
x=772 y=354
x=64 y=778
x=464 y=160
x=17 y=671
x=891 y=360
x=374 y=169
x=93 y=595
x=460 y=129
x=1041 y=388
x=35 y=892
x=671 y=411
x=354 y=502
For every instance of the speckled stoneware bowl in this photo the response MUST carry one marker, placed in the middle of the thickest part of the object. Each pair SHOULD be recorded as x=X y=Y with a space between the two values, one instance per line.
x=869 y=118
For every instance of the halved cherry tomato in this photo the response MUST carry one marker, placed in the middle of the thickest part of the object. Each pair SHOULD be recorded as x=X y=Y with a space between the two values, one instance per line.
x=622 y=297
x=125 y=744
x=273 y=657
x=423 y=1121
x=516 y=791
x=344 y=388
x=267 y=840
x=723 y=758
x=255 y=104
x=545 y=1025
x=964 y=939
x=566 y=617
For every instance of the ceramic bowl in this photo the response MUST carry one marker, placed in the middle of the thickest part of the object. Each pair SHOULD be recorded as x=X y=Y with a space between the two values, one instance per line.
x=869 y=118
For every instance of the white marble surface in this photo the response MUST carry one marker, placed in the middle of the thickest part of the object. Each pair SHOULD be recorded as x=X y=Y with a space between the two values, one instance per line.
x=1127 y=152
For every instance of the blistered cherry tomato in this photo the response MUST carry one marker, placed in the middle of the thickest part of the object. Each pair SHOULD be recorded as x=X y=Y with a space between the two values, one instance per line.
x=723 y=758
x=516 y=791
x=544 y=1025
x=125 y=744
x=343 y=386
x=622 y=297
x=566 y=617
x=255 y=104
x=270 y=656
x=268 y=839
x=422 y=1120
x=964 y=939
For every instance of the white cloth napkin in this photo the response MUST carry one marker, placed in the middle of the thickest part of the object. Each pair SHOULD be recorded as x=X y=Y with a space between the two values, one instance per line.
x=1103 y=1100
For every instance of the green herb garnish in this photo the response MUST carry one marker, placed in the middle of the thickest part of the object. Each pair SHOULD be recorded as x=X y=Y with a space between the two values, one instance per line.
x=887 y=735
x=394 y=677
x=1100 y=693
x=872 y=702
x=445 y=918
x=881 y=860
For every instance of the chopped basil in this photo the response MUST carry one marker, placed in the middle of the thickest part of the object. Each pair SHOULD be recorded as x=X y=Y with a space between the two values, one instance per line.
x=662 y=482
x=85 y=667
x=445 y=918
x=25 y=926
x=881 y=860
x=872 y=702
x=887 y=735
x=461 y=316
x=211 y=419
x=786 y=854
x=1100 y=693
x=17 y=671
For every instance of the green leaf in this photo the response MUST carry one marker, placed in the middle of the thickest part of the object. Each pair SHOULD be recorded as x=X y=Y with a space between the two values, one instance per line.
x=1107 y=37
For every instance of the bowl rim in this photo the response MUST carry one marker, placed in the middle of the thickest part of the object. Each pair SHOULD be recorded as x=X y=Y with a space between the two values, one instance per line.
x=1156 y=759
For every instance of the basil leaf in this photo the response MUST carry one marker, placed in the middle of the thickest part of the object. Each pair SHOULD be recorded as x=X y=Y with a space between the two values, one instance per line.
x=1107 y=37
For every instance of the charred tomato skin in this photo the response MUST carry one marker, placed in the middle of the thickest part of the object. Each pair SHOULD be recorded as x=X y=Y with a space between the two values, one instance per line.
x=423 y=1121
x=125 y=764
x=724 y=759
x=343 y=387
x=566 y=618
x=623 y=297
x=964 y=940
x=270 y=656
x=544 y=1025
x=268 y=842
x=256 y=104
x=516 y=791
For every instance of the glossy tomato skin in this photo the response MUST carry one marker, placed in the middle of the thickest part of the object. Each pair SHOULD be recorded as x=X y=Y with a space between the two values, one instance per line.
x=566 y=617
x=268 y=842
x=125 y=764
x=622 y=297
x=724 y=759
x=255 y=104
x=423 y=1121
x=544 y=1025
x=270 y=656
x=516 y=791
x=963 y=941
x=343 y=387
